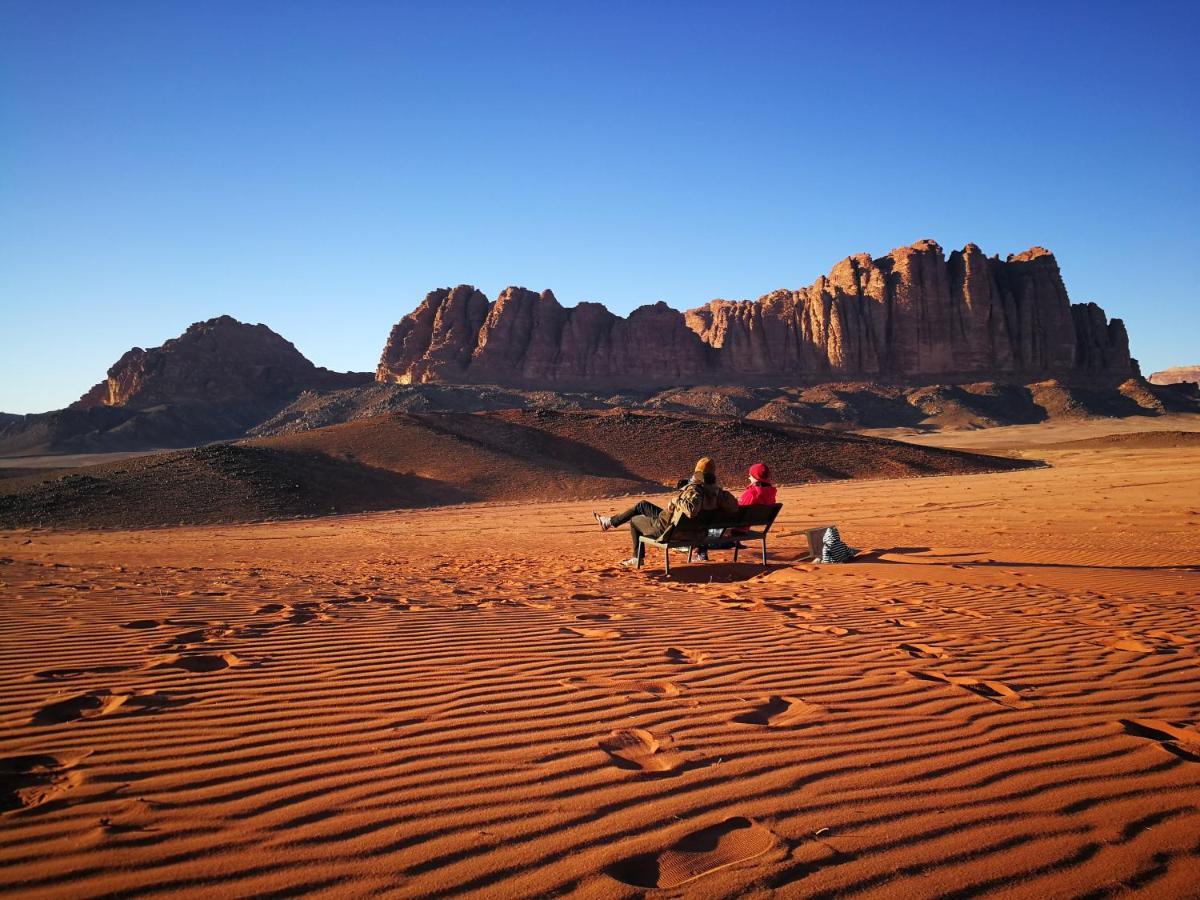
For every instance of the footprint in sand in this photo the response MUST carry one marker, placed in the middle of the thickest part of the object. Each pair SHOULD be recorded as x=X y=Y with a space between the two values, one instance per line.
x=791 y=613
x=698 y=854
x=996 y=691
x=142 y=624
x=300 y=613
x=836 y=630
x=602 y=634
x=903 y=623
x=783 y=601
x=1181 y=740
x=94 y=704
x=1131 y=644
x=600 y=617
x=925 y=651
x=201 y=662
x=30 y=781
x=1168 y=636
x=639 y=750
x=733 y=603
x=968 y=612
x=254 y=630
x=780 y=712
x=269 y=609
x=641 y=690
x=637 y=690
x=67 y=674
x=685 y=656
x=82 y=706
x=197 y=636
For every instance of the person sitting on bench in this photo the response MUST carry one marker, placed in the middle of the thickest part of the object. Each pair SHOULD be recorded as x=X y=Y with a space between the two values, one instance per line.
x=761 y=489
x=761 y=492
x=701 y=495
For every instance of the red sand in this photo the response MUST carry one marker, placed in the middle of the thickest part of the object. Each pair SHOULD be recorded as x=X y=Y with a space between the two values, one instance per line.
x=1003 y=699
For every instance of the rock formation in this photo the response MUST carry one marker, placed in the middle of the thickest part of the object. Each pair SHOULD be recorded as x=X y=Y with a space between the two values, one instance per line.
x=913 y=315
x=1176 y=375
x=220 y=361
x=213 y=382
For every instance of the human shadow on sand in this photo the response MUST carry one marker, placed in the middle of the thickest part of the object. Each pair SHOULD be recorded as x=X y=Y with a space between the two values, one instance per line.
x=876 y=555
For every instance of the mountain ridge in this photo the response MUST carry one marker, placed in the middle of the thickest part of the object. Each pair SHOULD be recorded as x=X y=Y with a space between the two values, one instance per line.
x=912 y=314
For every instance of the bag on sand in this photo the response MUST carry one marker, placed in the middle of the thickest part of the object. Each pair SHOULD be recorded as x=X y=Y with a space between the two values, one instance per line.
x=832 y=548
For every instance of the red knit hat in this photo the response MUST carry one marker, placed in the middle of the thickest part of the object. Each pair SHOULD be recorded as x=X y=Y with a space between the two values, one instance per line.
x=761 y=472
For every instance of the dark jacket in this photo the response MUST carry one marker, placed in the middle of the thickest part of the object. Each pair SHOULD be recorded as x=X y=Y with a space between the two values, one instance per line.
x=699 y=501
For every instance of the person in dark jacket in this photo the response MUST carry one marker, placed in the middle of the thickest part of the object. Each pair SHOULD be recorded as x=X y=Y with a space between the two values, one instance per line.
x=701 y=496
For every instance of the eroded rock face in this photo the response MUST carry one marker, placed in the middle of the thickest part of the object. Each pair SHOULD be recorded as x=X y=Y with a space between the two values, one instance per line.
x=220 y=361
x=1176 y=375
x=911 y=315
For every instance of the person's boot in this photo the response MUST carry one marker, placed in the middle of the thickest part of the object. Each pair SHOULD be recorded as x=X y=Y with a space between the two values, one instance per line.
x=604 y=521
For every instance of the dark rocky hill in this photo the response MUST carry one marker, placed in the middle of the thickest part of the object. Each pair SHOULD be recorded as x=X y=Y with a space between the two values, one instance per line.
x=428 y=459
x=213 y=382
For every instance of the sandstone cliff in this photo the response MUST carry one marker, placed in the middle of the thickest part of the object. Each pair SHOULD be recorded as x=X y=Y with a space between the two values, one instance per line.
x=1176 y=375
x=217 y=379
x=219 y=361
x=913 y=314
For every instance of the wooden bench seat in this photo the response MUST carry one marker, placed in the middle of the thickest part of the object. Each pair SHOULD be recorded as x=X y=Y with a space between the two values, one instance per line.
x=750 y=523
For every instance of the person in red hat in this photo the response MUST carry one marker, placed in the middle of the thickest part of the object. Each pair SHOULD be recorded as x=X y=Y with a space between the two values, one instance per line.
x=761 y=490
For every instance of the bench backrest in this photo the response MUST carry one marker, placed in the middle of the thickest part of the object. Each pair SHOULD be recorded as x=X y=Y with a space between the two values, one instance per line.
x=760 y=517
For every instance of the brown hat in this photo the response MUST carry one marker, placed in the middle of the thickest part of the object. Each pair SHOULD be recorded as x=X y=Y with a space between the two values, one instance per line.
x=705 y=466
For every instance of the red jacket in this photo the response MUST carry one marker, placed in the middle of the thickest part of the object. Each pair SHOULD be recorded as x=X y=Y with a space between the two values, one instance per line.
x=758 y=494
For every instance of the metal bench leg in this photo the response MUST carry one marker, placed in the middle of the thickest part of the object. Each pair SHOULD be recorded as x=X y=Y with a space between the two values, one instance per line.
x=667 y=558
x=764 y=540
x=690 y=549
x=736 y=548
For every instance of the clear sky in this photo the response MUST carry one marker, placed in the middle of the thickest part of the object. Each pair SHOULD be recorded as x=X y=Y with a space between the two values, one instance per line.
x=320 y=166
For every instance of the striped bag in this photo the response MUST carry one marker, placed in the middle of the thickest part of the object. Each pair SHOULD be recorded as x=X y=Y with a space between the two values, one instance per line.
x=832 y=548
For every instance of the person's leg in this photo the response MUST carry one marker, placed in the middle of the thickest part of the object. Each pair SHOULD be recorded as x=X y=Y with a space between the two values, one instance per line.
x=641 y=508
x=638 y=526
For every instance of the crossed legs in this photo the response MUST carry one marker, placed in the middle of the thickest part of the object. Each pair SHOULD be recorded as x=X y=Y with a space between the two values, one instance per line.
x=643 y=520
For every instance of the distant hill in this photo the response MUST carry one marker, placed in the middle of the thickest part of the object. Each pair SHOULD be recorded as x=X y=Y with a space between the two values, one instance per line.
x=411 y=460
x=1177 y=375
x=216 y=380
x=837 y=405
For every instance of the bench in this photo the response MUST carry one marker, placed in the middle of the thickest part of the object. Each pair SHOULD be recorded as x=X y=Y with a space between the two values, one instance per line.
x=751 y=523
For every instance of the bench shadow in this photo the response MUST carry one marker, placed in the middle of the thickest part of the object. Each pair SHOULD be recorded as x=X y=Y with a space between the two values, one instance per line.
x=715 y=572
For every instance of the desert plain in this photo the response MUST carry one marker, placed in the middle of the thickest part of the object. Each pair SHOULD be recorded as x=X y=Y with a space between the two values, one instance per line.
x=1001 y=697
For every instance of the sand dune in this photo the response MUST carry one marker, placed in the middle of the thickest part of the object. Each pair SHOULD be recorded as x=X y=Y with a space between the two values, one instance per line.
x=420 y=460
x=1002 y=698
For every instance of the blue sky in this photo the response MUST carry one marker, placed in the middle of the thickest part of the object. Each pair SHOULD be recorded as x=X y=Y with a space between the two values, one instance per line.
x=320 y=166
